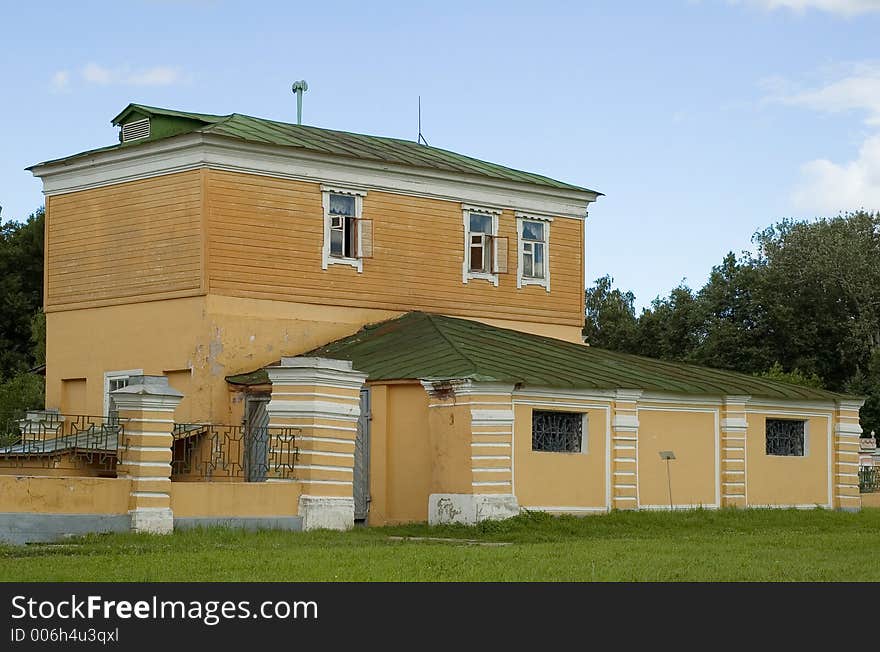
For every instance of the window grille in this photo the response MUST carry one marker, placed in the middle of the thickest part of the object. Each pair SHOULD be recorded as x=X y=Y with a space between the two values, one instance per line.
x=557 y=432
x=785 y=437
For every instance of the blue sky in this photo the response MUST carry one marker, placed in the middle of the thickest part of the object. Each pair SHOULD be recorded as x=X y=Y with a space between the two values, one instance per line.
x=701 y=121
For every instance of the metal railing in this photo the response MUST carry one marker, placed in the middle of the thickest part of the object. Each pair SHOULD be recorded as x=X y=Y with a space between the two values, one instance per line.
x=49 y=439
x=214 y=452
x=869 y=479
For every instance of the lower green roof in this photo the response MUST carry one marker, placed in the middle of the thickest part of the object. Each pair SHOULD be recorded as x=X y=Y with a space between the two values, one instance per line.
x=421 y=346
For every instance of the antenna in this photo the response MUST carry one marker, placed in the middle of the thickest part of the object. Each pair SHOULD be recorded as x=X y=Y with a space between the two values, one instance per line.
x=421 y=138
x=299 y=88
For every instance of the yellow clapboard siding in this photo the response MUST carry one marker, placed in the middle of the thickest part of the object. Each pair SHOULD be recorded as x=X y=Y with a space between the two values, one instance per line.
x=115 y=227
x=265 y=237
x=62 y=251
x=140 y=238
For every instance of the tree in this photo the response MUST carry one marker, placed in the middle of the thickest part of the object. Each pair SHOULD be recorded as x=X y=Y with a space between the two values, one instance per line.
x=21 y=290
x=796 y=377
x=610 y=316
x=671 y=328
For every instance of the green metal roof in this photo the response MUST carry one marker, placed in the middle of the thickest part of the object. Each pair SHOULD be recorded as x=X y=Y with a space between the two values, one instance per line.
x=419 y=345
x=328 y=141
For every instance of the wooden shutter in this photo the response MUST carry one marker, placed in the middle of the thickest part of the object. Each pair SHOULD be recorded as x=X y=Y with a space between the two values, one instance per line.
x=499 y=260
x=365 y=233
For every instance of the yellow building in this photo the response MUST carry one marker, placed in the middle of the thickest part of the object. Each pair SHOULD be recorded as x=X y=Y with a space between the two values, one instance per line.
x=390 y=331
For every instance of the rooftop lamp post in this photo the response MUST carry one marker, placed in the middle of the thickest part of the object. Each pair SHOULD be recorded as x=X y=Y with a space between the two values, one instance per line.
x=299 y=88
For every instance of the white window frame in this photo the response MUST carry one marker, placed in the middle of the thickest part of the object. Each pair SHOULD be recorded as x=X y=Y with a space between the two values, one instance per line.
x=528 y=280
x=466 y=273
x=326 y=258
x=116 y=375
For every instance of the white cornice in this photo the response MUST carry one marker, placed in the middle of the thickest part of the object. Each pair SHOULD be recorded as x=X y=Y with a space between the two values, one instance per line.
x=194 y=151
x=594 y=395
x=850 y=404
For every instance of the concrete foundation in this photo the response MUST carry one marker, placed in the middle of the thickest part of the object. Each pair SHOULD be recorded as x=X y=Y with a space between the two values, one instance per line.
x=18 y=528
x=470 y=509
x=326 y=513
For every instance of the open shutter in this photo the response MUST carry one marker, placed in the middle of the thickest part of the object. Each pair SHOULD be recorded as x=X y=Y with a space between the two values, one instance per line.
x=365 y=233
x=499 y=260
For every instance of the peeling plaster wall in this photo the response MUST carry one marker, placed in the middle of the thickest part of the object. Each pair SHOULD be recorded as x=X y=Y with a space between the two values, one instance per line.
x=211 y=337
x=45 y=495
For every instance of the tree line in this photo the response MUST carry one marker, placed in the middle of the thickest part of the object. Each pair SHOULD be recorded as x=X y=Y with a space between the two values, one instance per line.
x=22 y=327
x=804 y=307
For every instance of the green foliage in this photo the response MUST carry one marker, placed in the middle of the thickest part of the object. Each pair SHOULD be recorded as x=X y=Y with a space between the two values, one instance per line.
x=38 y=337
x=610 y=316
x=22 y=392
x=795 y=377
x=21 y=290
x=804 y=309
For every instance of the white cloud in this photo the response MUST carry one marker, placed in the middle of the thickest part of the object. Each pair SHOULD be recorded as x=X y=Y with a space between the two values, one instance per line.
x=156 y=76
x=60 y=81
x=96 y=74
x=825 y=188
x=841 y=7
x=859 y=90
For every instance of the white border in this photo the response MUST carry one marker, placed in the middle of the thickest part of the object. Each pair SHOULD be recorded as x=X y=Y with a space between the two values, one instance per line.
x=326 y=258
x=466 y=273
x=525 y=280
x=196 y=150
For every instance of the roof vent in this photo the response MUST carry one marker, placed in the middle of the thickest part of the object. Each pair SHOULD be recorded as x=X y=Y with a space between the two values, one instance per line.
x=135 y=130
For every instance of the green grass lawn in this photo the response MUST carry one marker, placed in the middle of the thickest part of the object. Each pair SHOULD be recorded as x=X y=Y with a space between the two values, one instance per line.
x=770 y=545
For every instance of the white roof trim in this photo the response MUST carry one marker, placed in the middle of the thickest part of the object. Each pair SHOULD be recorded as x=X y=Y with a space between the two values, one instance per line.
x=197 y=150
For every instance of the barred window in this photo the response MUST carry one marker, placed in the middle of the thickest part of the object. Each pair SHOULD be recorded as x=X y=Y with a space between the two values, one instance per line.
x=785 y=437
x=557 y=432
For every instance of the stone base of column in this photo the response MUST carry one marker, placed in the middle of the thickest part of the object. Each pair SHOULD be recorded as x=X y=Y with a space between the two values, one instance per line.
x=326 y=513
x=470 y=509
x=156 y=520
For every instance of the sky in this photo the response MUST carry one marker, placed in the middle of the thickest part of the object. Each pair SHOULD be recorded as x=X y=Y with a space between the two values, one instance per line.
x=701 y=121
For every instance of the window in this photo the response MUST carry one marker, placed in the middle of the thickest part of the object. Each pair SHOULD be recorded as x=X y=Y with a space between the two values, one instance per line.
x=348 y=238
x=786 y=437
x=485 y=254
x=481 y=232
x=558 y=432
x=114 y=380
x=533 y=233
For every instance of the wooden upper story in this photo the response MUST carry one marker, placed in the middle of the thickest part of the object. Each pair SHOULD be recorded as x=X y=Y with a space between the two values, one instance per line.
x=192 y=212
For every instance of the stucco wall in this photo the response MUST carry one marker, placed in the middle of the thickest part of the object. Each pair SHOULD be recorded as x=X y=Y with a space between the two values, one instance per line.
x=560 y=480
x=234 y=499
x=795 y=480
x=196 y=341
x=46 y=495
x=871 y=500
x=691 y=436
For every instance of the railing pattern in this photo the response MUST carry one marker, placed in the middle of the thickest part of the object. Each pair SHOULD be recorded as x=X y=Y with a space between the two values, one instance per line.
x=869 y=479
x=48 y=439
x=213 y=452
